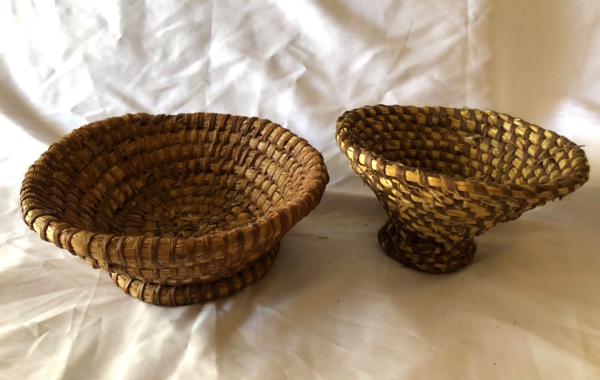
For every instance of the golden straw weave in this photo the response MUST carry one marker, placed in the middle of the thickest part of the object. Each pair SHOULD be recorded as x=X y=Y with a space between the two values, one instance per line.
x=446 y=175
x=179 y=209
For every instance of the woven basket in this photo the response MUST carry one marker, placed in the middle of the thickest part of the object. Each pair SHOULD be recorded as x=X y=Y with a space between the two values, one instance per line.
x=447 y=175
x=178 y=209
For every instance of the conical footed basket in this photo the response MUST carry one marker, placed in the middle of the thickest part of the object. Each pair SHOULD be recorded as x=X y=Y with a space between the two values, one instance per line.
x=446 y=175
x=178 y=209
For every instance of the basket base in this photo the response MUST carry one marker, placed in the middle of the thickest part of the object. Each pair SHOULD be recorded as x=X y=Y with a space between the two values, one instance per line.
x=423 y=255
x=185 y=294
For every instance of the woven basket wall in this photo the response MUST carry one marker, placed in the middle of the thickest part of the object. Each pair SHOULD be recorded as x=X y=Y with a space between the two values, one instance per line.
x=445 y=175
x=179 y=209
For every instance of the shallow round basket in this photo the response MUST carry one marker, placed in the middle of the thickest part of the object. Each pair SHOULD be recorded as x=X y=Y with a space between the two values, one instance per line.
x=178 y=209
x=446 y=175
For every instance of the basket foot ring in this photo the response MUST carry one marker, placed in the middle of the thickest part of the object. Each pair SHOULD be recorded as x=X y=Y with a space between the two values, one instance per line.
x=185 y=294
x=424 y=255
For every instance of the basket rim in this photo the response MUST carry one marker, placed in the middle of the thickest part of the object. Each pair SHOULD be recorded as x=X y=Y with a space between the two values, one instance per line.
x=430 y=178
x=315 y=177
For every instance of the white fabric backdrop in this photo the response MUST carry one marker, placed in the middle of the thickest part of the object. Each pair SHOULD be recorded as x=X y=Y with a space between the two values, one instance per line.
x=333 y=305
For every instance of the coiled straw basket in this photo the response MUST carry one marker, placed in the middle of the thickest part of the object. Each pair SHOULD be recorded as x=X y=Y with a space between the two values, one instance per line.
x=446 y=175
x=178 y=209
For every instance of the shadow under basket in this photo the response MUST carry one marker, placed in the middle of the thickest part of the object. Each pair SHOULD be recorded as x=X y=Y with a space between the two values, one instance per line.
x=178 y=209
x=446 y=175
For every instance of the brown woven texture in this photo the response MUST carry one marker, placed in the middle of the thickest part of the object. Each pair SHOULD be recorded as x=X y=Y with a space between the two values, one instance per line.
x=179 y=209
x=446 y=175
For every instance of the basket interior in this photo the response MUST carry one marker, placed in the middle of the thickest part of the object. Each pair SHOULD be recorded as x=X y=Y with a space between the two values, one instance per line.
x=463 y=144
x=176 y=176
